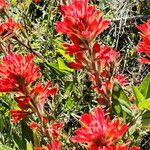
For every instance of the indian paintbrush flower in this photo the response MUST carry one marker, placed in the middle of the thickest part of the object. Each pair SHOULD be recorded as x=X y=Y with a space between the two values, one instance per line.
x=97 y=132
x=144 y=45
x=3 y=4
x=8 y=27
x=17 y=72
x=81 y=20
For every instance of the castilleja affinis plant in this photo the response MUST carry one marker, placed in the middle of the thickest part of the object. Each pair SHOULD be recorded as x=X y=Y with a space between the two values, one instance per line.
x=47 y=110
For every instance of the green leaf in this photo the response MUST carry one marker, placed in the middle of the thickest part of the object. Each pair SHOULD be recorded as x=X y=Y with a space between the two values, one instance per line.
x=145 y=87
x=13 y=2
x=119 y=94
x=4 y=147
x=2 y=125
x=68 y=87
x=146 y=118
x=144 y=104
x=69 y=104
x=138 y=95
x=29 y=146
x=120 y=101
x=140 y=100
x=55 y=68
x=63 y=67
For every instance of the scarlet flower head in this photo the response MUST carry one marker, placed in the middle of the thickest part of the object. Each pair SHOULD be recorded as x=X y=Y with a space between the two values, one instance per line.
x=17 y=72
x=144 y=45
x=98 y=132
x=81 y=20
x=3 y=4
x=8 y=27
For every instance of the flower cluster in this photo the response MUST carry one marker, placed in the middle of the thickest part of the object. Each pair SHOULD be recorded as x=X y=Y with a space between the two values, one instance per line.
x=100 y=133
x=8 y=27
x=144 y=45
x=3 y=5
x=17 y=73
x=83 y=23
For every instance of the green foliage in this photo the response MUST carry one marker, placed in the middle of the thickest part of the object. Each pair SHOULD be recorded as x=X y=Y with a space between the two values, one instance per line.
x=4 y=147
x=142 y=94
x=142 y=99
x=121 y=103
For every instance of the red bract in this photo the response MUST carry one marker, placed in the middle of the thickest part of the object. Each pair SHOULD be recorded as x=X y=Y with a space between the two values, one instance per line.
x=102 y=56
x=37 y=1
x=18 y=115
x=55 y=145
x=144 y=60
x=121 y=79
x=3 y=4
x=81 y=20
x=98 y=132
x=23 y=102
x=144 y=45
x=17 y=72
x=105 y=55
x=33 y=125
x=39 y=94
x=55 y=129
x=124 y=147
x=80 y=61
x=8 y=27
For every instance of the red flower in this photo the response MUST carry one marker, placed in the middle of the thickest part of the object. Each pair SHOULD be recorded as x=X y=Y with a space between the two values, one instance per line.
x=37 y=1
x=40 y=94
x=55 y=145
x=121 y=79
x=81 y=20
x=144 y=60
x=105 y=54
x=8 y=27
x=124 y=147
x=18 y=115
x=23 y=102
x=17 y=72
x=144 y=45
x=134 y=148
x=72 y=49
x=98 y=132
x=33 y=125
x=3 y=4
